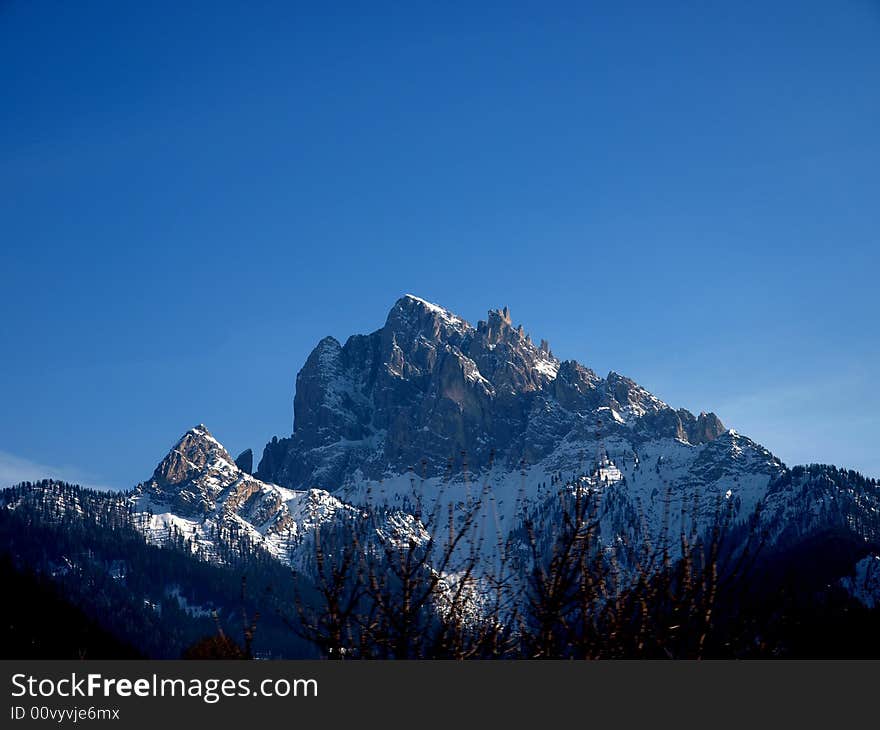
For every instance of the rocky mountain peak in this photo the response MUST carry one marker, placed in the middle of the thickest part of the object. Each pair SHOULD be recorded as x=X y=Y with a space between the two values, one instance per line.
x=427 y=386
x=708 y=427
x=414 y=315
x=195 y=450
x=192 y=476
x=498 y=327
x=245 y=461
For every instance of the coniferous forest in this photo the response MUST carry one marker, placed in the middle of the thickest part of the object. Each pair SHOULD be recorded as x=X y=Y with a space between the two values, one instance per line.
x=82 y=582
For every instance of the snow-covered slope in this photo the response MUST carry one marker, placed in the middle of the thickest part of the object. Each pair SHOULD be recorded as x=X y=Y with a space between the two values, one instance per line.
x=430 y=421
x=431 y=408
x=430 y=416
x=864 y=583
x=198 y=493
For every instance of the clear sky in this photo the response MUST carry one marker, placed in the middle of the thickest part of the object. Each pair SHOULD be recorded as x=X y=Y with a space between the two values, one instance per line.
x=192 y=196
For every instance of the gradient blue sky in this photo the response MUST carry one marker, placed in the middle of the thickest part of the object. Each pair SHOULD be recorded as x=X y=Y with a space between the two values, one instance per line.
x=191 y=197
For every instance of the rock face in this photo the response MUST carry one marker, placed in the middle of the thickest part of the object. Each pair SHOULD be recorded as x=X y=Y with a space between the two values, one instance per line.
x=430 y=391
x=245 y=461
x=199 y=494
x=199 y=490
x=193 y=473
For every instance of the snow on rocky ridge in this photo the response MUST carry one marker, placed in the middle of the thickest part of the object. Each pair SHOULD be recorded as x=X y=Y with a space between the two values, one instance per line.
x=430 y=414
x=197 y=491
x=432 y=408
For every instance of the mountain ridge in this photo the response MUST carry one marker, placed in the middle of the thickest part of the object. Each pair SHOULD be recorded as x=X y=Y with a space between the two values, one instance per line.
x=428 y=385
x=430 y=417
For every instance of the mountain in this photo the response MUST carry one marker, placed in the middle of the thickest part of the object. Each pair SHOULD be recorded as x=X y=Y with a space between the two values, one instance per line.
x=436 y=451
x=428 y=386
x=430 y=395
x=201 y=492
x=87 y=582
x=433 y=407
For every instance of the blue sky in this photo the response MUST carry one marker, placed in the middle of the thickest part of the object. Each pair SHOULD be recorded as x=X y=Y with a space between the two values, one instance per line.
x=190 y=198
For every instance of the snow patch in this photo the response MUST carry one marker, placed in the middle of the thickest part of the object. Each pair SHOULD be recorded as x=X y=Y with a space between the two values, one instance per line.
x=550 y=368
